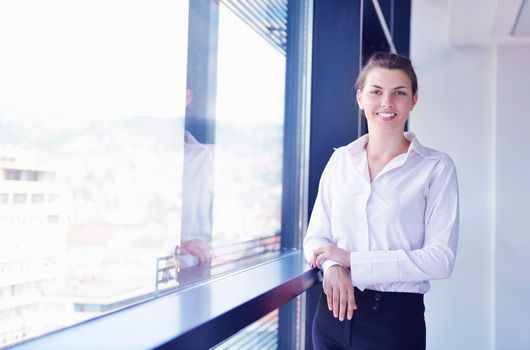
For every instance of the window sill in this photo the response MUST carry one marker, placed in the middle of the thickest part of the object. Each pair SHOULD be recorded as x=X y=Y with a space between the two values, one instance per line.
x=200 y=316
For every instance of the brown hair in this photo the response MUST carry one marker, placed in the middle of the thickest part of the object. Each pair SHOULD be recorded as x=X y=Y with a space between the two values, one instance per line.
x=388 y=61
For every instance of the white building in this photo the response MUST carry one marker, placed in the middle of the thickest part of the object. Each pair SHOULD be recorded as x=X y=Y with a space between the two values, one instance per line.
x=32 y=246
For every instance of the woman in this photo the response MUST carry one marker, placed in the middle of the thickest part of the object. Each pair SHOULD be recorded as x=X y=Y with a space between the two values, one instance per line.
x=384 y=223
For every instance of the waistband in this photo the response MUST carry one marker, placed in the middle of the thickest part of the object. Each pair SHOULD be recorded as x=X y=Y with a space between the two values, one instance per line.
x=388 y=302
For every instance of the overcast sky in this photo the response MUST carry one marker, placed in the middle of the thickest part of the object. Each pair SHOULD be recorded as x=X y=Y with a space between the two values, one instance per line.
x=68 y=62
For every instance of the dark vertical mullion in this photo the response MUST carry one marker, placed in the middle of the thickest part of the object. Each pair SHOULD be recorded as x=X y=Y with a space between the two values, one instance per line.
x=202 y=68
x=334 y=113
x=294 y=157
x=293 y=133
x=361 y=121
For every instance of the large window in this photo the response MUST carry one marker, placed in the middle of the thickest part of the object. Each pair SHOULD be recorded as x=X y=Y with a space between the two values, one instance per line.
x=142 y=150
x=262 y=334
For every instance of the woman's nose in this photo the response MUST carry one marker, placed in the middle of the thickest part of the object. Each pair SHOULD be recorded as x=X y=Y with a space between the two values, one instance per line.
x=386 y=101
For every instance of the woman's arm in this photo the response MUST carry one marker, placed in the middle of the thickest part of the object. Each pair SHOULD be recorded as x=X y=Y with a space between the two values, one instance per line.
x=337 y=283
x=319 y=228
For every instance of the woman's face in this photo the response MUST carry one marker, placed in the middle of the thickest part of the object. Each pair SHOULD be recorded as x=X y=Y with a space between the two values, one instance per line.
x=386 y=99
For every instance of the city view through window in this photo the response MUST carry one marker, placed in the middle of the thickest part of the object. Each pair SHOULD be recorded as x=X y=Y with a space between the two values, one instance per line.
x=106 y=195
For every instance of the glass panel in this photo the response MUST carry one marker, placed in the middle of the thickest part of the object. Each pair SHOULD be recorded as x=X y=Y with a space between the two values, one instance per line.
x=114 y=188
x=11 y=174
x=37 y=198
x=19 y=198
x=271 y=331
x=262 y=334
x=91 y=153
x=232 y=180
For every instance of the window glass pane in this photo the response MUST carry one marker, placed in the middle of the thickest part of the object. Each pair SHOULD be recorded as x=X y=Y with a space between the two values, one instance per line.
x=37 y=198
x=114 y=187
x=91 y=153
x=11 y=174
x=33 y=175
x=19 y=198
x=262 y=334
x=233 y=151
x=269 y=333
x=249 y=133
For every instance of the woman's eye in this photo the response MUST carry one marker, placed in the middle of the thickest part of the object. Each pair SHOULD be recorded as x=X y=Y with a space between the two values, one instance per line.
x=375 y=92
x=401 y=93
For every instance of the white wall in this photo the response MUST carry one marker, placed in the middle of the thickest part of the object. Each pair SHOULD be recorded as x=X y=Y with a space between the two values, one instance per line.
x=475 y=105
x=513 y=194
x=456 y=114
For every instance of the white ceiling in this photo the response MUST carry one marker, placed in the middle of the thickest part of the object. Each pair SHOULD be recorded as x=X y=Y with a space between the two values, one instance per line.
x=489 y=22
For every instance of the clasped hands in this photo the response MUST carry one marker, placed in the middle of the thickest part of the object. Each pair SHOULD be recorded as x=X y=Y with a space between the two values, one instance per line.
x=199 y=252
x=338 y=286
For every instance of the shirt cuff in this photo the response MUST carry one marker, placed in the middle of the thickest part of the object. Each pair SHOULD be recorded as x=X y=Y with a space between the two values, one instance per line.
x=324 y=267
x=368 y=268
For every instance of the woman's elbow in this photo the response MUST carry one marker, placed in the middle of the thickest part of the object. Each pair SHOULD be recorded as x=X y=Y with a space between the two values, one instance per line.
x=443 y=268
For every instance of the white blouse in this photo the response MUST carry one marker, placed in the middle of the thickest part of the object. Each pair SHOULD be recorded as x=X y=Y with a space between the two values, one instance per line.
x=401 y=228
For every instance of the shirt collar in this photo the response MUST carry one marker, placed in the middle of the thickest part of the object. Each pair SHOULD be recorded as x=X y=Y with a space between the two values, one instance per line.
x=357 y=146
x=417 y=147
x=189 y=139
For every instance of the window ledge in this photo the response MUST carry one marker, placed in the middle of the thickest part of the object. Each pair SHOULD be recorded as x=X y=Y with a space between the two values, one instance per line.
x=197 y=317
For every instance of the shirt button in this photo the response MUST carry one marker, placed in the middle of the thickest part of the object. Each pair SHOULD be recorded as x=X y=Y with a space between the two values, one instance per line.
x=377 y=297
x=375 y=306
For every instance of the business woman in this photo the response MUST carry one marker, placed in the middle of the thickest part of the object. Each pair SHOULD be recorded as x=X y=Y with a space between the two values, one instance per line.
x=384 y=223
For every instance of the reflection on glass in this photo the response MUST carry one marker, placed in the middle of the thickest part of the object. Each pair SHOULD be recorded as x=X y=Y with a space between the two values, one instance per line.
x=262 y=334
x=91 y=155
x=231 y=213
x=113 y=188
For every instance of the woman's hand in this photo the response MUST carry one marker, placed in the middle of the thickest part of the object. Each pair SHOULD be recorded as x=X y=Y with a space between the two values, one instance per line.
x=197 y=247
x=332 y=252
x=339 y=292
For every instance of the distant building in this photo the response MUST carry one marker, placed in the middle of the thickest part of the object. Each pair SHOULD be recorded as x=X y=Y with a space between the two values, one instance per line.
x=32 y=246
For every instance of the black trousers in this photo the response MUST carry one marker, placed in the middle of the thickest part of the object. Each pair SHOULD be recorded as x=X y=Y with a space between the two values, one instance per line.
x=382 y=321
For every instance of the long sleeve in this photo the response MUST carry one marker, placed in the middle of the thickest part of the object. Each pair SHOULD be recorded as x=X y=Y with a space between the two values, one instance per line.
x=319 y=228
x=435 y=260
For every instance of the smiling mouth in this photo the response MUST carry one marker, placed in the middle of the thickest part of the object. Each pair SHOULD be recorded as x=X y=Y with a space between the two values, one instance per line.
x=386 y=116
